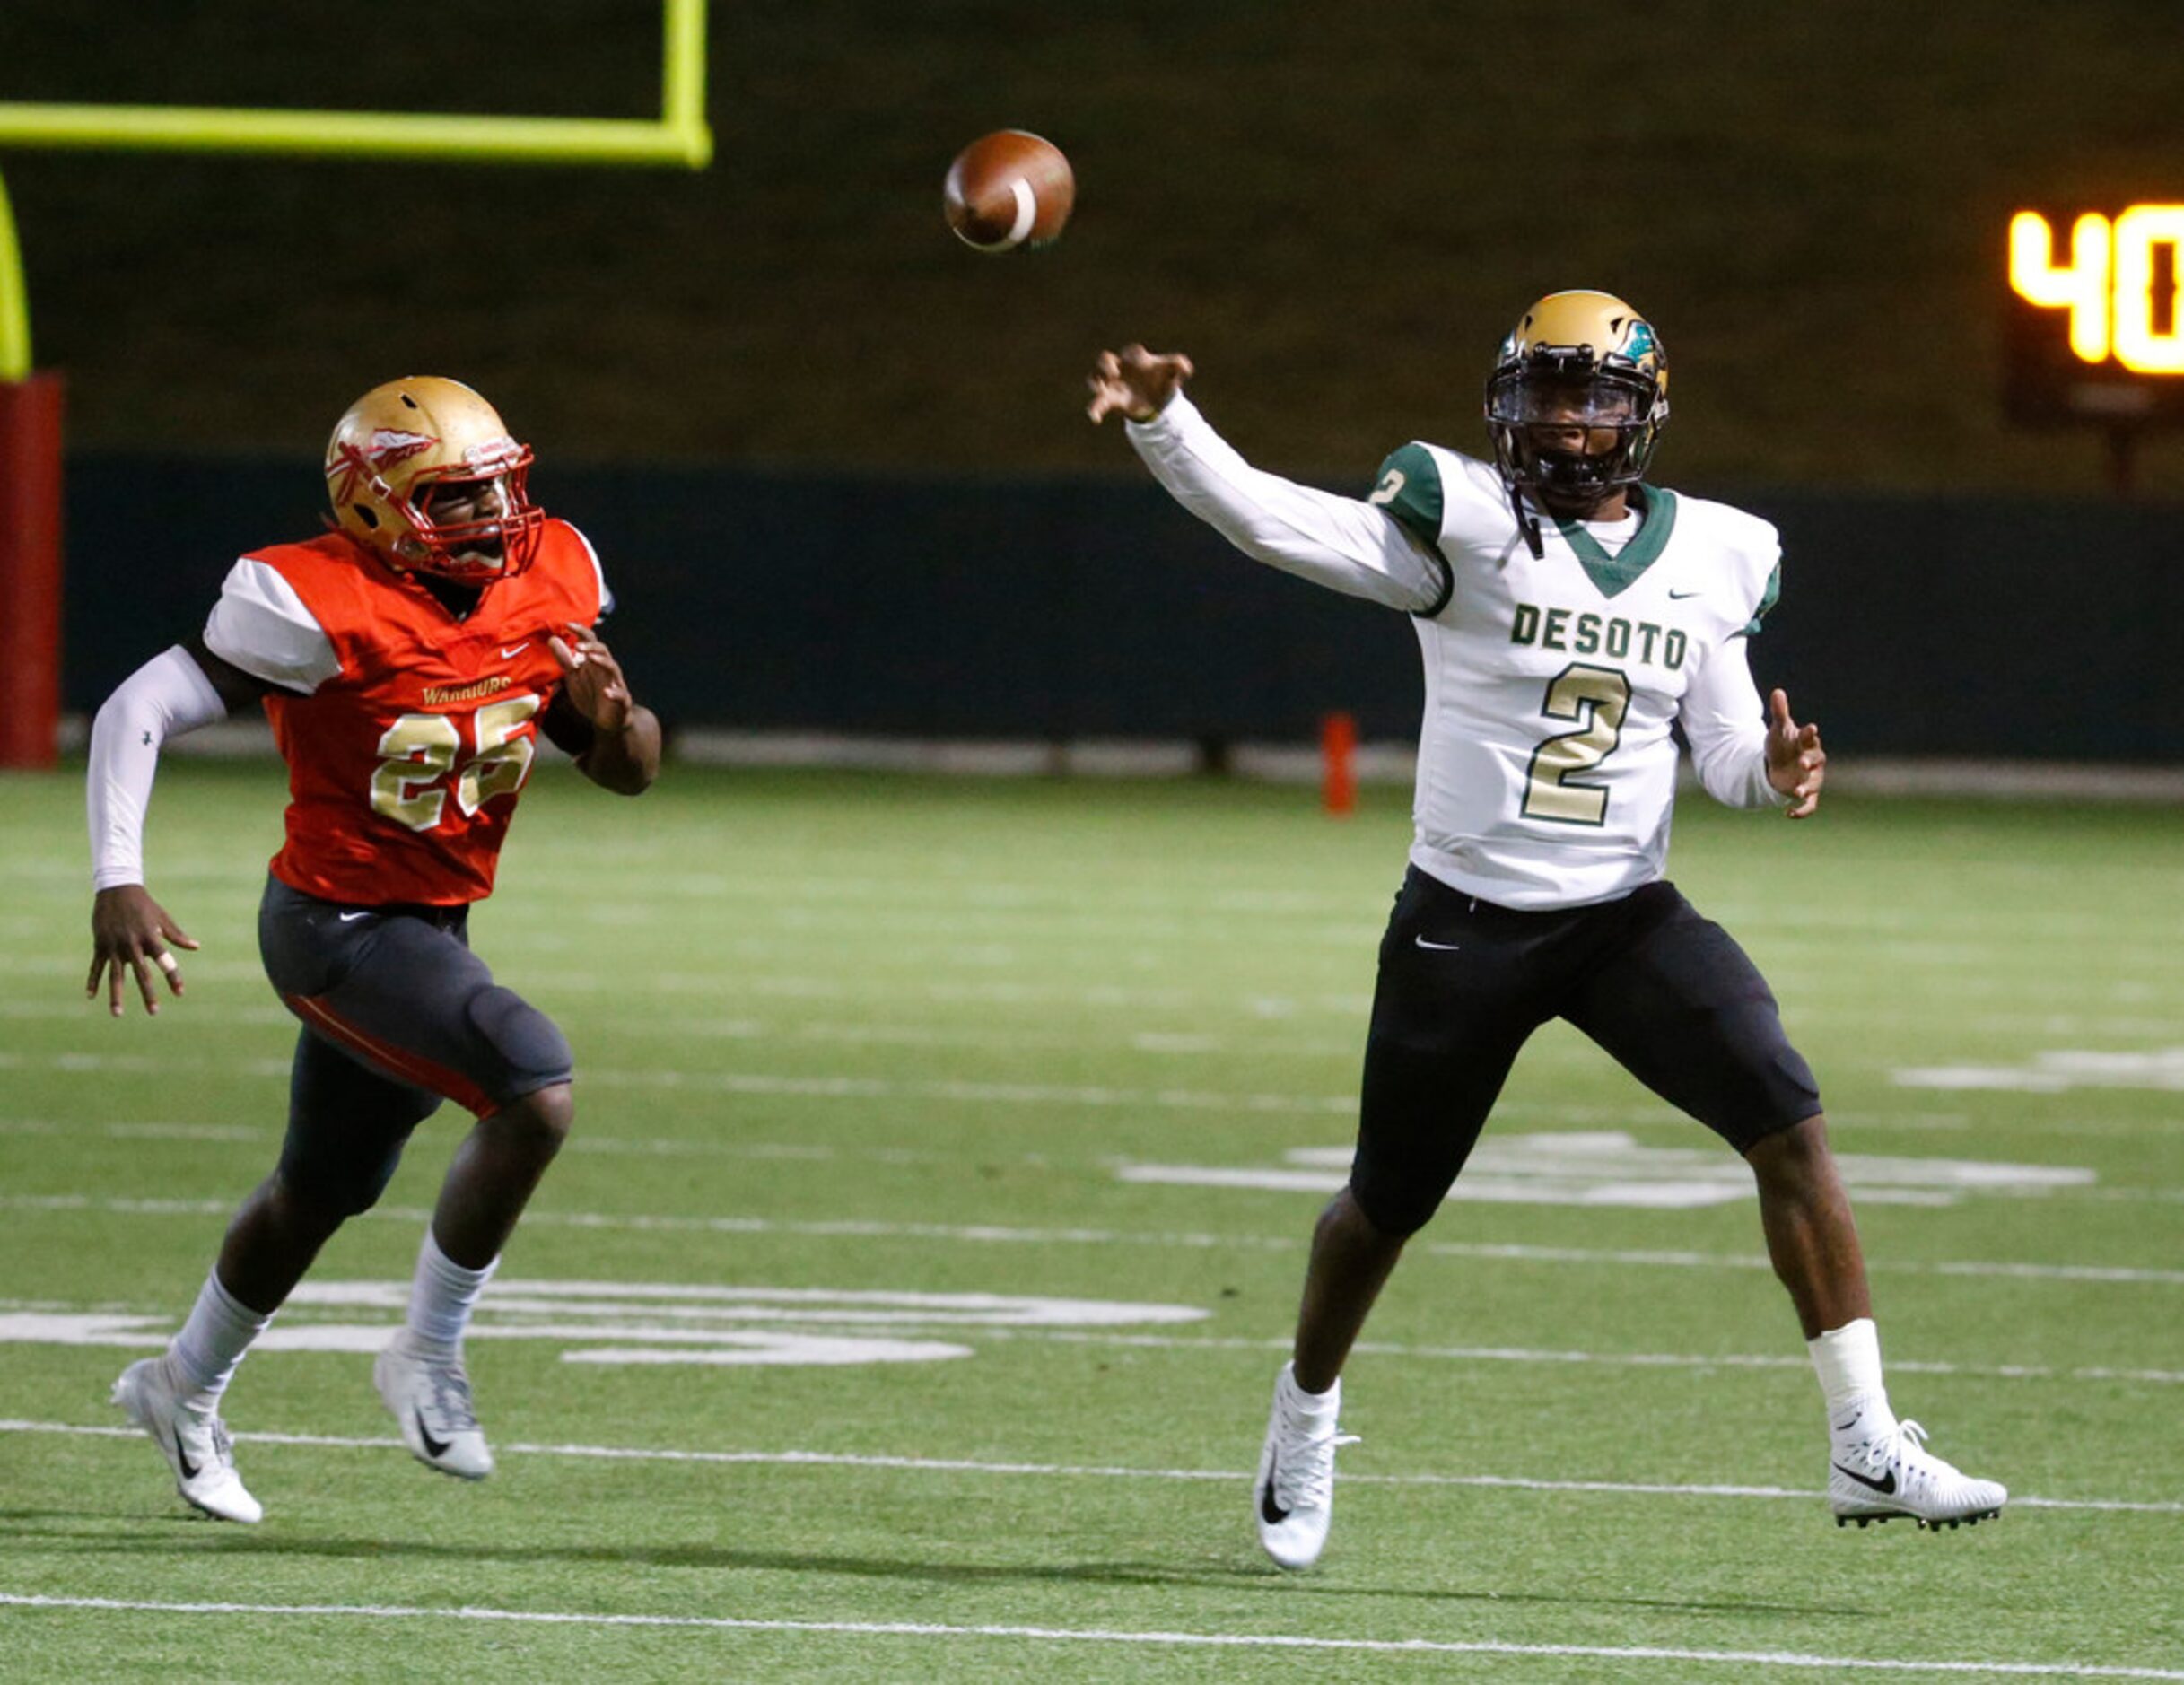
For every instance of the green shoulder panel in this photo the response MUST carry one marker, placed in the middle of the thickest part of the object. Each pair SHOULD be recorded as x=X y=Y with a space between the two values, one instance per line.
x=1767 y=600
x=1408 y=487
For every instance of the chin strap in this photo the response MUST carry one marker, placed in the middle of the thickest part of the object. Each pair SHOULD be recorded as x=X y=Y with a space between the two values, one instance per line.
x=1527 y=524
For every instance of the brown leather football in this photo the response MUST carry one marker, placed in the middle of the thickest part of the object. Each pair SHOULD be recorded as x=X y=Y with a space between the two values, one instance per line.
x=1009 y=189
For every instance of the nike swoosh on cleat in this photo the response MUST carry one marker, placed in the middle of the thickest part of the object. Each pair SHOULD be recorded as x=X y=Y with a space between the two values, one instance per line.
x=1883 y=1486
x=439 y=1448
x=182 y=1458
x=1272 y=1513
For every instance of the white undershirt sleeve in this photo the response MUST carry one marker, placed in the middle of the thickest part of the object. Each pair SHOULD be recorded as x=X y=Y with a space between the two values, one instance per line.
x=1343 y=543
x=167 y=696
x=1727 y=726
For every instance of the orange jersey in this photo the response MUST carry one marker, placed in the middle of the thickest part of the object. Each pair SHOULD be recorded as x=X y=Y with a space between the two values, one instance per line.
x=408 y=734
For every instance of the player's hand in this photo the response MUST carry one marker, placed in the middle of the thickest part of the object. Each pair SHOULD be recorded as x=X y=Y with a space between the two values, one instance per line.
x=131 y=932
x=1136 y=383
x=1797 y=766
x=592 y=679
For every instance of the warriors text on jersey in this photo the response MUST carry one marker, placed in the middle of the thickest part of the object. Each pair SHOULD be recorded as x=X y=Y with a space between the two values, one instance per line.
x=408 y=733
x=1546 y=770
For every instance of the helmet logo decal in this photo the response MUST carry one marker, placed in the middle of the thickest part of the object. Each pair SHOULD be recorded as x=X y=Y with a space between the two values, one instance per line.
x=391 y=445
x=387 y=447
x=1642 y=342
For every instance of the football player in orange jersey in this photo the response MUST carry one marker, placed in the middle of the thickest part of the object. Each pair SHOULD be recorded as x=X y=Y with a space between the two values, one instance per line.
x=408 y=659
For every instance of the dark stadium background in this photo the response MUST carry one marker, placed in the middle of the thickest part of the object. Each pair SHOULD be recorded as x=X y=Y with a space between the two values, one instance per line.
x=837 y=461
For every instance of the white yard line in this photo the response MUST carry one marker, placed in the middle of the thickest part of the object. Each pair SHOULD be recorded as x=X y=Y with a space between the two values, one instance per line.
x=1059 y=1470
x=1007 y=1234
x=1746 y=1659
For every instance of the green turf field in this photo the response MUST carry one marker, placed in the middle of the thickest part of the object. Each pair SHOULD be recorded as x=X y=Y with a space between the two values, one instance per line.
x=906 y=1302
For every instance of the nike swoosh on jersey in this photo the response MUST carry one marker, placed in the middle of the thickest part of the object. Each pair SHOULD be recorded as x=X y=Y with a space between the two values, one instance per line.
x=1445 y=948
x=1678 y=596
x=350 y=918
x=509 y=655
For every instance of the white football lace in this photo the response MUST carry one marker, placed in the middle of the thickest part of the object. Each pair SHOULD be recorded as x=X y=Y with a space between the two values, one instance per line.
x=1906 y=1448
x=1304 y=1476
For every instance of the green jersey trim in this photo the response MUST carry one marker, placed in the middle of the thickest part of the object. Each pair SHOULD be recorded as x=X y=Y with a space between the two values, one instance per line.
x=1408 y=487
x=1613 y=574
x=1768 y=598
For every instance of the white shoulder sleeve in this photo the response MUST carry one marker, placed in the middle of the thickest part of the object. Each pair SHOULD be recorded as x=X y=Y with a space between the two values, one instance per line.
x=165 y=698
x=261 y=626
x=607 y=596
x=1343 y=543
x=1726 y=724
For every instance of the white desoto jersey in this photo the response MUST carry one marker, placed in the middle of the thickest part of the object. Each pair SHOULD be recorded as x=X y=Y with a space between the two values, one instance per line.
x=1546 y=770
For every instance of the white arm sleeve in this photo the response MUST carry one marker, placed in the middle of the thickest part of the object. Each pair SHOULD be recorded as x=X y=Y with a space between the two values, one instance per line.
x=1726 y=725
x=262 y=626
x=165 y=698
x=1342 y=542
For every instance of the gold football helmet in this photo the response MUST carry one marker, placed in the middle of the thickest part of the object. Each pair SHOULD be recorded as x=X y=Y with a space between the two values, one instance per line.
x=422 y=443
x=1576 y=361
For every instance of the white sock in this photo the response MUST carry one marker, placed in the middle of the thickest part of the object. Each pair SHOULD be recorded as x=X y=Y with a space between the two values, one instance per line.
x=441 y=1297
x=212 y=1342
x=1310 y=1403
x=1847 y=1361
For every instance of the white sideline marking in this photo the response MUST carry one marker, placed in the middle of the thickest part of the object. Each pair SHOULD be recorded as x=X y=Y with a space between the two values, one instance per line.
x=45 y=1323
x=958 y=1465
x=2060 y=1070
x=1002 y=1234
x=1100 y=1635
x=1597 y=1167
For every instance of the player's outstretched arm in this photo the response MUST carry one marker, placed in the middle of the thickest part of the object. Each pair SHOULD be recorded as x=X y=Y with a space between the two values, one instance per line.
x=623 y=754
x=131 y=934
x=1342 y=542
x=1797 y=766
x=1136 y=381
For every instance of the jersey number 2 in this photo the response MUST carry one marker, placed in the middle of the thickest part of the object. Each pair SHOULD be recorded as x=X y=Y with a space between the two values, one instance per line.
x=418 y=750
x=1599 y=696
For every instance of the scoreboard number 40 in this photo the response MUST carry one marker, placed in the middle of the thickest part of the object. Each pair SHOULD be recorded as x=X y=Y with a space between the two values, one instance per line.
x=2094 y=330
x=2120 y=285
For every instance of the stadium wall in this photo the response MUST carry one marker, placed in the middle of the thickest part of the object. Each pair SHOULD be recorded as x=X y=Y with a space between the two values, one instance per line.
x=1059 y=609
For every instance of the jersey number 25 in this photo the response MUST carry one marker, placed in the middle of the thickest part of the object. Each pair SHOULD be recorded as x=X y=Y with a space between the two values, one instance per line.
x=419 y=750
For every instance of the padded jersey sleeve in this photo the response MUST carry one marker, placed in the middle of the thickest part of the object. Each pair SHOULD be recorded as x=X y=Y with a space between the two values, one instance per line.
x=1359 y=548
x=1408 y=487
x=606 y=595
x=261 y=626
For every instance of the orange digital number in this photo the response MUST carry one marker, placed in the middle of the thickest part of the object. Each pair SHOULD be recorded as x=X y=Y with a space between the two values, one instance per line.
x=2121 y=303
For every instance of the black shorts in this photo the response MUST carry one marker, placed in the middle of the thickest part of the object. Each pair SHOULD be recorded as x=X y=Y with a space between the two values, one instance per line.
x=398 y=1014
x=1463 y=984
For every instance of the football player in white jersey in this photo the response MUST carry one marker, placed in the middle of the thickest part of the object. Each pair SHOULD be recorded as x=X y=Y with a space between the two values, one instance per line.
x=1570 y=614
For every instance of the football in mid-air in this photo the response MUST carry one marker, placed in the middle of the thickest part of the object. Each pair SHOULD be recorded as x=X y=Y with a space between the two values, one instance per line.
x=1009 y=189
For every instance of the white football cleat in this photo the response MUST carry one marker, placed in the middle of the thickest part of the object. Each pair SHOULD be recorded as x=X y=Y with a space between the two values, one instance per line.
x=429 y=1397
x=194 y=1441
x=1293 y=1498
x=1894 y=1474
